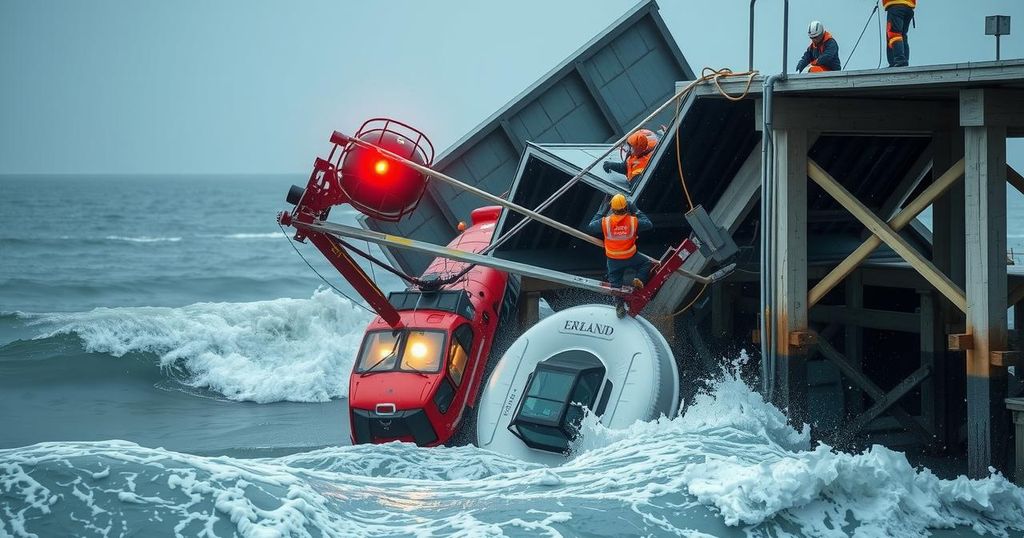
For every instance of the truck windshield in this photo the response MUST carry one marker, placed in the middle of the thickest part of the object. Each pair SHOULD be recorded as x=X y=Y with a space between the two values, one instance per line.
x=423 y=351
x=407 y=350
x=379 y=351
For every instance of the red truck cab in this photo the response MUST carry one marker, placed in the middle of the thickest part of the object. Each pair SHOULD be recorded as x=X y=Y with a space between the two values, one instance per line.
x=415 y=383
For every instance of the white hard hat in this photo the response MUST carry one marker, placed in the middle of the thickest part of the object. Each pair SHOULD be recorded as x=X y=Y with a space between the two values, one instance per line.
x=815 y=29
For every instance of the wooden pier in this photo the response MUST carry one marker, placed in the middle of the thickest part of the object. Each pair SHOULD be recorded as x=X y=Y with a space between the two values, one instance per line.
x=951 y=286
x=882 y=330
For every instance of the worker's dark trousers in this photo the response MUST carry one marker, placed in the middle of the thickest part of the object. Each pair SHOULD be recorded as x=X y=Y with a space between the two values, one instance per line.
x=617 y=269
x=898 y=24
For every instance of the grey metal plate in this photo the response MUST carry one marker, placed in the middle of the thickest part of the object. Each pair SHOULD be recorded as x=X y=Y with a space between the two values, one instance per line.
x=594 y=96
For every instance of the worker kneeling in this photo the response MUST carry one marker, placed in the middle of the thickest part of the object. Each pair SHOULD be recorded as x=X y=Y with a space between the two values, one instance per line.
x=640 y=147
x=620 y=230
x=823 y=53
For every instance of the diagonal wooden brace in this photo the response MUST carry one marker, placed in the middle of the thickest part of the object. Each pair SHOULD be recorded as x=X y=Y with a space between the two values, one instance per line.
x=888 y=400
x=1015 y=179
x=897 y=223
x=874 y=224
x=873 y=391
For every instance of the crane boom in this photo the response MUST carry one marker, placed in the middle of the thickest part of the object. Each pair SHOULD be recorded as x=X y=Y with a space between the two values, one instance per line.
x=509 y=266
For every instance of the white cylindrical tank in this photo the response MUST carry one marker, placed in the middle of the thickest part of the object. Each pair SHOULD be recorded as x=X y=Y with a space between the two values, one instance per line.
x=622 y=369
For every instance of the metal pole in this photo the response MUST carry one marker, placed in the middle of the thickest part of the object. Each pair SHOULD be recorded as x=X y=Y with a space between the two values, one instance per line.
x=518 y=268
x=785 y=40
x=575 y=179
x=506 y=204
x=750 y=43
x=997 y=48
x=481 y=193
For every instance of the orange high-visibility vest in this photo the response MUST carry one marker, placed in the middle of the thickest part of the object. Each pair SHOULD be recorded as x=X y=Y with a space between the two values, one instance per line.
x=636 y=164
x=889 y=3
x=619 y=236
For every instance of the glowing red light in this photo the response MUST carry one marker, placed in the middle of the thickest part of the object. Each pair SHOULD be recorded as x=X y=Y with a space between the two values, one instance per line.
x=381 y=167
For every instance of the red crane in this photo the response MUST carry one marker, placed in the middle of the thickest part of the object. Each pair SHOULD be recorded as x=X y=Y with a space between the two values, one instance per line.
x=422 y=360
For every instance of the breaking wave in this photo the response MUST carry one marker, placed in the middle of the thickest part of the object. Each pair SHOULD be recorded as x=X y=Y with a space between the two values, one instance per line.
x=728 y=467
x=298 y=350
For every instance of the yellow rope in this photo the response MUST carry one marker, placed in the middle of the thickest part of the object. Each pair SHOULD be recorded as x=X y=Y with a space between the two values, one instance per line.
x=707 y=74
x=691 y=303
x=716 y=76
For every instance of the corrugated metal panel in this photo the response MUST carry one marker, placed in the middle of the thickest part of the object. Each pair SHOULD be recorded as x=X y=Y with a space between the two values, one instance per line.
x=594 y=96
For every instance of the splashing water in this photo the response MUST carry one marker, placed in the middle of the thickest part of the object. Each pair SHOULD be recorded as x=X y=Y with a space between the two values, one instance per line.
x=729 y=466
x=298 y=350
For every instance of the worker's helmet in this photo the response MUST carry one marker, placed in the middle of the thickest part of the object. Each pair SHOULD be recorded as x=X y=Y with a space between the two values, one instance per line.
x=618 y=202
x=815 y=29
x=640 y=141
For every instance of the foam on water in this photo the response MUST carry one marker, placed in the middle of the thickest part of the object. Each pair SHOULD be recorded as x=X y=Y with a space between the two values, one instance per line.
x=298 y=350
x=728 y=467
x=143 y=239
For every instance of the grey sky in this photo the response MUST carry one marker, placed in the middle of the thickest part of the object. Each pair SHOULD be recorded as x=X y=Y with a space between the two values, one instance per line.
x=257 y=86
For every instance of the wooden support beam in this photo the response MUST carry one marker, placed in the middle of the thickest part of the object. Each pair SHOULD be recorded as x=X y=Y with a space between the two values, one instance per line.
x=529 y=309
x=960 y=342
x=933 y=401
x=987 y=107
x=887 y=235
x=948 y=254
x=866 y=318
x=790 y=268
x=907 y=185
x=874 y=392
x=853 y=342
x=897 y=223
x=888 y=400
x=985 y=217
x=846 y=115
x=1005 y=358
x=948 y=214
x=1016 y=296
x=1015 y=179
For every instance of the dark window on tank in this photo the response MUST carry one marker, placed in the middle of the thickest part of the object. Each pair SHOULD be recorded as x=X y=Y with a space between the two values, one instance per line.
x=557 y=392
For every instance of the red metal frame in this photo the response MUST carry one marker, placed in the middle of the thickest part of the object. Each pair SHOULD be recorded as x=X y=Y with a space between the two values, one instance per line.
x=324 y=191
x=670 y=262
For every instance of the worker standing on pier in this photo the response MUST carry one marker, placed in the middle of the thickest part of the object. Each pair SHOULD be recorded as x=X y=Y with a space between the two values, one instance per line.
x=823 y=53
x=641 y=148
x=620 y=230
x=899 y=14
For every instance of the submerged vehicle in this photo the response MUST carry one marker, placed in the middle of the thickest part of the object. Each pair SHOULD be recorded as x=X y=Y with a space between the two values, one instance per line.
x=581 y=358
x=422 y=360
x=415 y=383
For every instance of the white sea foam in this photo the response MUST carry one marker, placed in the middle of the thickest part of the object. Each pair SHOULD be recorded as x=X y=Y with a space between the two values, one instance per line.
x=143 y=239
x=728 y=467
x=266 y=351
x=734 y=451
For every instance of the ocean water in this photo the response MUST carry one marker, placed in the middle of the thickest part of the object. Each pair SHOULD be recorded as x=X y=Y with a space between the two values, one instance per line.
x=170 y=367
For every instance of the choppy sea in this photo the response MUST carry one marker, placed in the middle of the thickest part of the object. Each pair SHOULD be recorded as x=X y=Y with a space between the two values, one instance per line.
x=169 y=366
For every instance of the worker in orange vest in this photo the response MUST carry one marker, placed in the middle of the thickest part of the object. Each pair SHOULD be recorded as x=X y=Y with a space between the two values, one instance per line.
x=898 y=14
x=823 y=53
x=620 y=231
x=640 y=148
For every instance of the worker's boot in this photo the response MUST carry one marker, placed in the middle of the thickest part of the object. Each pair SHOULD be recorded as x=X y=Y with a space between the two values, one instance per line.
x=638 y=284
x=620 y=309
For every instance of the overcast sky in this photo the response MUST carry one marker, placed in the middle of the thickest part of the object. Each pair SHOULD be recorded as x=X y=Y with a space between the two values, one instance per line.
x=257 y=86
